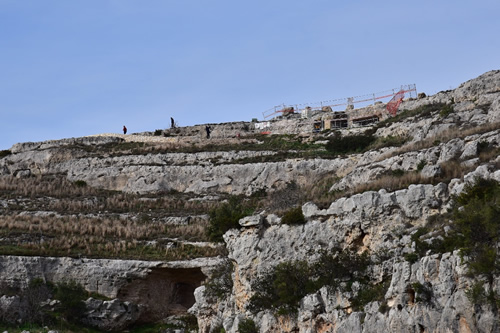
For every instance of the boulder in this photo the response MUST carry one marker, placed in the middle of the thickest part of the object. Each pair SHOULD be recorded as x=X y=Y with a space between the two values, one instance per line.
x=113 y=315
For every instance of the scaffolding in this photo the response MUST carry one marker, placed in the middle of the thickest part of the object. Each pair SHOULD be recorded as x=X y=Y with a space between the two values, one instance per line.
x=397 y=95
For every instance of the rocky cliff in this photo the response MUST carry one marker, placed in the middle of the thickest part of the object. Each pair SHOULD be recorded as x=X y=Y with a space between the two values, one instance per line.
x=81 y=209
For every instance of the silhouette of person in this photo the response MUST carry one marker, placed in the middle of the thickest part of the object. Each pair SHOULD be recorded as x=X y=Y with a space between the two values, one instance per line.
x=172 y=123
x=207 y=128
x=124 y=129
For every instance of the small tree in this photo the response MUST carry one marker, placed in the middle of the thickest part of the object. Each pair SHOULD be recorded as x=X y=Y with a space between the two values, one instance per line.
x=220 y=283
x=225 y=217
x=247 y=325
x=294 y=216
x=71 y=296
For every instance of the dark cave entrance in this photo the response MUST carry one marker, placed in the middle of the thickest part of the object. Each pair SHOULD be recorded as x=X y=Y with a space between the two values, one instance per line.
x=164 y=292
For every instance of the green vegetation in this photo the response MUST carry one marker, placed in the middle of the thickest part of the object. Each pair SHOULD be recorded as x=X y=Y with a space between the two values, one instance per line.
x=477 y=226
x=446 y=110
x=220 y=283
x=80 y=183
x=294 y=216
x=339 y=145
x=421 y=165
x=475 y=229
x=247 y=326
x=67 y=312
x=281 y=288
x=4 y=153
x=478 y=295
x=71 y=297
x=423 y=292
x=370 y=293
x=226 y=216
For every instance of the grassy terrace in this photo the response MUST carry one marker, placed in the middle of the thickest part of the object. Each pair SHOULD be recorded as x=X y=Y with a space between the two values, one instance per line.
x=54 y=217
x=82 y=221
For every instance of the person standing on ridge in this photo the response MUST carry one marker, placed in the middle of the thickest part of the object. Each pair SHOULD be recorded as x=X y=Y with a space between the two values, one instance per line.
x=124 y=129
x=207 y=128
x=172 y=122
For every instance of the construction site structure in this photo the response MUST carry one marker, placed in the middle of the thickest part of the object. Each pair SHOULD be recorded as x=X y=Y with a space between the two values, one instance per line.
x=370 y=109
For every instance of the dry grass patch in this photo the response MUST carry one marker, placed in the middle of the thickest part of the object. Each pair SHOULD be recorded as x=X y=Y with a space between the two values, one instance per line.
x=104 y=238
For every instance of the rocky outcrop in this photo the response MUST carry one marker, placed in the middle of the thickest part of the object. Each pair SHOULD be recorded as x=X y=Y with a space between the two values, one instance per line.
x=379 y=223
x=464 y=150
x=422 y=291
x=474 y=103
x=139 y=290
x=195 y=173
x=111 y=315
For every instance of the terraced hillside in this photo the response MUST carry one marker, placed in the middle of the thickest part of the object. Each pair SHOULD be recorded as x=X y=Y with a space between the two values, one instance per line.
x=142 y=221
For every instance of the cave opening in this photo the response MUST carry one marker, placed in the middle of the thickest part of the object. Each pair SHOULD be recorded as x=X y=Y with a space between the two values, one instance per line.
x=164 y=292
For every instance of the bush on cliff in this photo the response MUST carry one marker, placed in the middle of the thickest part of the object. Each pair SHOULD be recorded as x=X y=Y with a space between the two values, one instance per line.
x=294 y=216
x=247 y=325
x=339 y=145
x=226 y=216
x=4 y=153
x=476 y=219
x=220 y=283
x=282 y=287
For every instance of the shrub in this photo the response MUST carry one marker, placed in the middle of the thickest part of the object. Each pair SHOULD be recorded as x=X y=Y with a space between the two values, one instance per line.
x=220 y=283
x=369 y=293
x=424 y=292
x=476 y=294
x=247 y=326
x=445 y=111
x=411 y=257
x=225 y=217
x=281 y=288
x=349 y=144
x=158 y=132
x=384 y=307
x=477 y=221
x=71 y=296
x=4 y=153
x=397 y=172
x=421 y=165
x=294 y=216
x=36 y=293
x=476 y=226
x=80 y=183
x=343 y=265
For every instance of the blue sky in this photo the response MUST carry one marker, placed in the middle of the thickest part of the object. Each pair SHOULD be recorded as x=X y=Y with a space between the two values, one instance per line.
x=76 y=68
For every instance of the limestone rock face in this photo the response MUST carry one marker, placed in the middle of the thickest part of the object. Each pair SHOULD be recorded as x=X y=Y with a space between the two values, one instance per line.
x=111 y=315
x=368 y=221
x=456 y=129
x=141 y=290
x=432 y=158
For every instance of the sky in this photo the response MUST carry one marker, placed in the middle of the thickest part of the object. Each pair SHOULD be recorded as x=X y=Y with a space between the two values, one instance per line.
x=84 y=67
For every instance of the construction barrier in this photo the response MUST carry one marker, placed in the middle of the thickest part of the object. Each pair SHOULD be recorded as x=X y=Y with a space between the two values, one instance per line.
x=397 y=94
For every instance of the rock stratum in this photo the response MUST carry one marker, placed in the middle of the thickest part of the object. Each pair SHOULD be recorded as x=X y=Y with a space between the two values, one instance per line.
x=389 y=202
